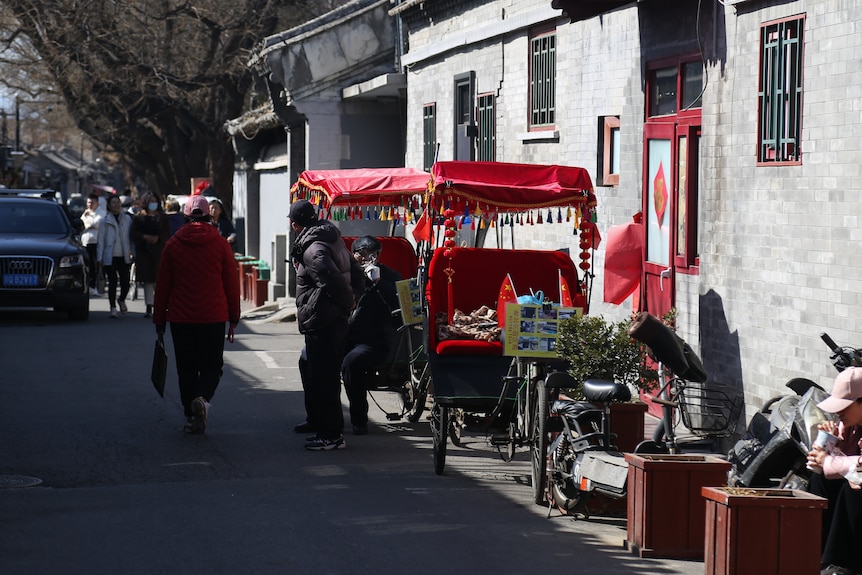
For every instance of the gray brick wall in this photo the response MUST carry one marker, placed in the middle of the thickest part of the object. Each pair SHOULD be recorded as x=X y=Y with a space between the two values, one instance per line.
x=779 y=245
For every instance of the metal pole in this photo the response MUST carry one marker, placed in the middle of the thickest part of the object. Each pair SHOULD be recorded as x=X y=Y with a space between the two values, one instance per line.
x=17 y=124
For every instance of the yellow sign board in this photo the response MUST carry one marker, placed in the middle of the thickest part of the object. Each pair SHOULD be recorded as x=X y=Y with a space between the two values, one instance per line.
x=531 y=330
x=410 y=299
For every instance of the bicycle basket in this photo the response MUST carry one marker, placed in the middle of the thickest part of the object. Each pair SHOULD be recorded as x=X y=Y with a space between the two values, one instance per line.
x=709 y=409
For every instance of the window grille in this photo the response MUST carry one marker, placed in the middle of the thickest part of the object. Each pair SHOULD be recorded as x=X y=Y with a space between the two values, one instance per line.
x=429 y=135
x=487 y=137
x=543 y=79
x=780 y=95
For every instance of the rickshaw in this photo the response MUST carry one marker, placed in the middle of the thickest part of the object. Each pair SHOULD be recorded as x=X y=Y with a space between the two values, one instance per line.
x=468 y=378
x=381 y=194
x=484 y=380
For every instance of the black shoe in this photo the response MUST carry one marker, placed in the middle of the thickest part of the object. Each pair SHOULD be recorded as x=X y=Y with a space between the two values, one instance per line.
x=321 y=444
x=304 y=427
x=360 y=429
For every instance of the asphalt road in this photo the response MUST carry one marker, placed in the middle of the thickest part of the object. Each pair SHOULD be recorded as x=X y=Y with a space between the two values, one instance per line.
x=123 y=490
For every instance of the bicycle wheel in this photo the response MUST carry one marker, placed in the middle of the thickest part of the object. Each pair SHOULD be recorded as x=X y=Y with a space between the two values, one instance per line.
x=439 y=432
x=539 y=444
x=419 y=384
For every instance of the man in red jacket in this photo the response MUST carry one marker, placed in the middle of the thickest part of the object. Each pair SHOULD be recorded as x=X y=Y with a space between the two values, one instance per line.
x=197 y=292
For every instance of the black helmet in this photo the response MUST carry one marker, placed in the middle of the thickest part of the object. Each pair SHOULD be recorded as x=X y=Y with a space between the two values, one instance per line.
x=366 y=243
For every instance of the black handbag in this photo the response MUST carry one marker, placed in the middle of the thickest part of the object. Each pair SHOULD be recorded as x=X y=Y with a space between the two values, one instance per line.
x=159 y=372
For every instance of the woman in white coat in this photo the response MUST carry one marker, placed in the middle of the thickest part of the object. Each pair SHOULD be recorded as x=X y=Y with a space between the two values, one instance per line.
x=114 y=252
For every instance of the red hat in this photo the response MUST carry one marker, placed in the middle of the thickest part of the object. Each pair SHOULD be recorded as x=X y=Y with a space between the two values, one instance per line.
x=846 y=390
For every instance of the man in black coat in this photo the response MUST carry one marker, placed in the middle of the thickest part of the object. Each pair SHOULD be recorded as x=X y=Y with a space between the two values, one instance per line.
x=324 y=300
x=371 y=328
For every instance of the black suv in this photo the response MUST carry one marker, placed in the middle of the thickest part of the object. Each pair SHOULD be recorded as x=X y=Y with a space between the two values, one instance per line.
x=42 y=261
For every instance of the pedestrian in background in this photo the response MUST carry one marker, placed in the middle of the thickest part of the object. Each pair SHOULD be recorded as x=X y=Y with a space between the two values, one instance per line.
x=197 y=292
x=324 y=298
x=90 y=238
x=114 y=253
x=150 y=231
x=176 y=219
x=223 y=222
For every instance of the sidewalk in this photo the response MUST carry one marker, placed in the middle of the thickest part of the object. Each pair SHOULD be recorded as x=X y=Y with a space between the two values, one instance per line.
x=600 y=539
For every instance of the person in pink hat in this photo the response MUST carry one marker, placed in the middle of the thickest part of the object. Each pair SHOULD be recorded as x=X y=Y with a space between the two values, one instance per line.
x=197 y=292
x=835 y=476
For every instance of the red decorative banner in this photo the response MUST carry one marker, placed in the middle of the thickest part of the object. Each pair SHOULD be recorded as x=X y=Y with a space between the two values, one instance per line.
x=660 y=195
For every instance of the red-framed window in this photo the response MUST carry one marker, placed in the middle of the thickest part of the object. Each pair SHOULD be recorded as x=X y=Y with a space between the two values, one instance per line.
x=779 y=104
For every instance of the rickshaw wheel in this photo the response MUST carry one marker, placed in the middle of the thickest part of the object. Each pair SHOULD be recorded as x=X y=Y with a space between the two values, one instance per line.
x=418 y=393
x=439 y=427
x=539 y=445
x=456 y=426
x=508 y=454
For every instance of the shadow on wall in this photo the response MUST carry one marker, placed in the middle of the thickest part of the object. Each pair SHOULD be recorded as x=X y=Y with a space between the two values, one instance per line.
x=720 y=353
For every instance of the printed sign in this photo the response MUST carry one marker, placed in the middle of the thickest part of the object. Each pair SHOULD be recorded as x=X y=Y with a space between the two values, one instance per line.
x=531 y=330
x=410 y=298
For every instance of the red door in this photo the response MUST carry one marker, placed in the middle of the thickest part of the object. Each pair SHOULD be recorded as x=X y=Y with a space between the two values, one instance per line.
x=658 y=285
x=670 y=207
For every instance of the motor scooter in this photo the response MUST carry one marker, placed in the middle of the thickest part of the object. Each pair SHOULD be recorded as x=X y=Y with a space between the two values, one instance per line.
x=582 y=457
x=773 y=453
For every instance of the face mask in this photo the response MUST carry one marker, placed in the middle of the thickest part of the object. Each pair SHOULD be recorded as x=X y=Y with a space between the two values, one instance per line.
x=152 y=206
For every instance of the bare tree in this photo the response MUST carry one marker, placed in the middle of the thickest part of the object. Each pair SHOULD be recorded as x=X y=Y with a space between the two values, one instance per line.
x=152 y=80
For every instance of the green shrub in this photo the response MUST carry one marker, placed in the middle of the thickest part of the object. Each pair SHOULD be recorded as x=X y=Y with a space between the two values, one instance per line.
x=599 y=349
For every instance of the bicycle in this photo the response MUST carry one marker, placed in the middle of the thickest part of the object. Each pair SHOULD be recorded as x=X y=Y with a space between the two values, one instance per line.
x=709 y=410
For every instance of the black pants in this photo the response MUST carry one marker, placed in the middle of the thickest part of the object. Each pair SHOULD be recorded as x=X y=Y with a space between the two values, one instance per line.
x=118 y=270
x=842 y=522
x=358 y=362
x=319 y=367
x=199 y=352
x=93 y=267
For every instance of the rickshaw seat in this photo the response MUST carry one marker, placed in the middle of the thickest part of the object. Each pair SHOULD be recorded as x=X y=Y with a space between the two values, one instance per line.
x=469 y=347
x=397 y=253
x=477 y=274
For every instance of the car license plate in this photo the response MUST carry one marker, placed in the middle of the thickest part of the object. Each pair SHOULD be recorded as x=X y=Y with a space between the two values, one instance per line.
x=26 y=280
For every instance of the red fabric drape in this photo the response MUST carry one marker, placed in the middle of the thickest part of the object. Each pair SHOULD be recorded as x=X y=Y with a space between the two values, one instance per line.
x=623 y=261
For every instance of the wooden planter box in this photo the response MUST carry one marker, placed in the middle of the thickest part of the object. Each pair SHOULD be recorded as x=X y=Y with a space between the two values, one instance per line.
x=762 y=531
x=627 y=421
x=665 y=507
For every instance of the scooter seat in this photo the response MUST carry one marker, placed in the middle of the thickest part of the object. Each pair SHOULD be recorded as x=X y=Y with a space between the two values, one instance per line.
x=605 y=391
x=571 y=408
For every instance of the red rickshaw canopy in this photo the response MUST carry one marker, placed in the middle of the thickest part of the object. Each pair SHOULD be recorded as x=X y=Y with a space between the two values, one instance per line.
x=361 y=186
x=511 y=187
